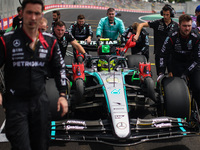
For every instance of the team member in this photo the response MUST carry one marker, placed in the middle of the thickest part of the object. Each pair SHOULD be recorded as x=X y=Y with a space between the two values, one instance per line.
x=56 y=17
x=64 y=37
x=142 y=44
x=198 y=24
x=110 y=26
x=81 y=30
x=182 y=48
x=27 y=54
x=43 y=26
x=162 y=27
x=18 y=20
x=197 y=12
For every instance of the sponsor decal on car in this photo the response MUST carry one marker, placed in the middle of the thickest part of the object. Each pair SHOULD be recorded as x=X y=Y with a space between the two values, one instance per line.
x=112 y=80
x=115 y=91
x=119 y=116
x=161 y=125
x=76 y=122
x=160 y=120
x=69 y=127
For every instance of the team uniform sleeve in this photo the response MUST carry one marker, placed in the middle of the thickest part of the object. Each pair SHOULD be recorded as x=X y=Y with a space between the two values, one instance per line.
x=71 y=29
x=165 y=56
x=121 y=27
x=14 y=23
x=124 y=35
x=90 y=32
x=69 y=37
x=153 y=24
x=58 y=65
x=145 y=42
x=100 y=27
x=196 y=61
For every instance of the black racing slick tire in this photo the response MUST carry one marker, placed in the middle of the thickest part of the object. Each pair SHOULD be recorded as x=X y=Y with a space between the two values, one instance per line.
x=150 y=88
x=134 y=60
x=177 y=101
x=80 y=88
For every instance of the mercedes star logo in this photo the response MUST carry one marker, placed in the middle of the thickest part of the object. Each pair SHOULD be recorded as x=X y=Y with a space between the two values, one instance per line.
x=16 y=43
x=121 y=125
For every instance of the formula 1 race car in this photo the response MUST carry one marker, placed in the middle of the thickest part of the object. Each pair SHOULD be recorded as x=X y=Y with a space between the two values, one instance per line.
x=115 y=101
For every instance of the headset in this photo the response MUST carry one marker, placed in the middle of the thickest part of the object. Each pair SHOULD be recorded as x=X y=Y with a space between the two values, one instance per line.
x=20 y=2
x=172 y=11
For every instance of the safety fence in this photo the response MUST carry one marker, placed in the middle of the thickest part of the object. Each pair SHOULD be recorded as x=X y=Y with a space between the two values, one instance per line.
x=47 y=7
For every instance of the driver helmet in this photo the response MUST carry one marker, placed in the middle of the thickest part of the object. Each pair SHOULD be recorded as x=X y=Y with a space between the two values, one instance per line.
x=103 y=65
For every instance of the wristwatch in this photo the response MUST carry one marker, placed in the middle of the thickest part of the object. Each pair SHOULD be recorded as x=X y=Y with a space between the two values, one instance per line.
x=65 y=96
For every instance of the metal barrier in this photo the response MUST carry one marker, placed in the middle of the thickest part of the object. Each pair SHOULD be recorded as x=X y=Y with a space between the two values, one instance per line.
x=9 y=7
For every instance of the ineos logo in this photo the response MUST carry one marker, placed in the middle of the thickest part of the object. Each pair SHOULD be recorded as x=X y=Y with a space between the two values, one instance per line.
x=121 y=125
x=16 y=43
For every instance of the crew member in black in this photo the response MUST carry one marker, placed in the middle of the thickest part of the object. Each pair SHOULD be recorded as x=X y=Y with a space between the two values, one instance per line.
x=162 y=28
x=81 y=30
x=18 y=20
x=182 y=48
x=142 y=44
x=56 y=17
x=64 y=37
x=198 y=24
x=27 y=54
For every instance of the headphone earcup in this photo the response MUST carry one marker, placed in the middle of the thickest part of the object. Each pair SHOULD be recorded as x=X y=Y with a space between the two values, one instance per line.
x=172 y=13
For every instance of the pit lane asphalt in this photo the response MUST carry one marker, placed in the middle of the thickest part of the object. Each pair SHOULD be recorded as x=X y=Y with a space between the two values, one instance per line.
x=93 y=17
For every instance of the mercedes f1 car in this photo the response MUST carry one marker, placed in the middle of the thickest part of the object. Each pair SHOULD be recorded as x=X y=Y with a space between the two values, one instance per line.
x=114 y=100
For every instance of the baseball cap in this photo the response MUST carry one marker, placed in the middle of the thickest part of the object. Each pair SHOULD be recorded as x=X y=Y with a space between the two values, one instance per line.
x=197 y=8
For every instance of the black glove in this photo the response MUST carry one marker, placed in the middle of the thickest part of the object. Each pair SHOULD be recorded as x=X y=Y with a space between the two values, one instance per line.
x=86 y=56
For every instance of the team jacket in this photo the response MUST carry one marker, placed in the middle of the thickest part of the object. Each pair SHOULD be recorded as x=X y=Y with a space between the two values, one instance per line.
x=183 y=50
x=81 y=33
x=63 y=42
x=110 y=31
x=161 y=31
x=142 y=44
x=25 y=69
